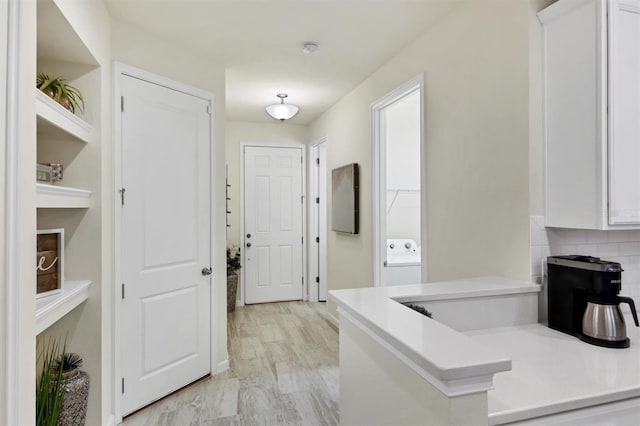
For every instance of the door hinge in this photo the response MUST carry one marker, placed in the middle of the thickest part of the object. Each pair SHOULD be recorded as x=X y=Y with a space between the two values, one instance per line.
x=302 y=280
x=122 y=190
x=302 y=199
x=317 y=200
x=301 y=162
x=209 y=109
x=317 y=279
x=317 y=161
x=302 y=240
x=317 y=241
x=121 y=103
x=123 y=290
x=123 y=385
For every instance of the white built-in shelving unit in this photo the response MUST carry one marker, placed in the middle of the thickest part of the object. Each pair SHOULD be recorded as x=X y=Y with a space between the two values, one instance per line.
x=54 y=119
x=51 y=308
x=61 y=197
x=66 y=138
x=70 y=43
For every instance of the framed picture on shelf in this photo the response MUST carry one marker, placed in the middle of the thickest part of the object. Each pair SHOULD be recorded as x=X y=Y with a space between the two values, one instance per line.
x=49 y=262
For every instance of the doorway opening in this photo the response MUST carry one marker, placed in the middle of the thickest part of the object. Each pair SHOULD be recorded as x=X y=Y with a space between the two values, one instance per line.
x=399 y=176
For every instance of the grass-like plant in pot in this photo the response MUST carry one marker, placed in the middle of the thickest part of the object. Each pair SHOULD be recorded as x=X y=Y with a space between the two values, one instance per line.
x=49 y=385
x=60 y=91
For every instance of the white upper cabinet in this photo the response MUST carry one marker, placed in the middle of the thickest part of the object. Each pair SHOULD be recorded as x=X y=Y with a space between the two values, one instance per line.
x=592 y=113
x=624 y=112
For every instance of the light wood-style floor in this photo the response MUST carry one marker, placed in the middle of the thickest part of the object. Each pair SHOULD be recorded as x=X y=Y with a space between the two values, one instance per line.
x=283 y=371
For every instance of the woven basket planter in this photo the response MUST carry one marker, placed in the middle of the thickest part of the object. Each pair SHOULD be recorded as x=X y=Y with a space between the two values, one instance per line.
x=75 y=395
x=232 y=292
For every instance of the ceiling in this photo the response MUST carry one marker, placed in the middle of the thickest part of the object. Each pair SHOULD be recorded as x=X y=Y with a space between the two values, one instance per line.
x=259 y=42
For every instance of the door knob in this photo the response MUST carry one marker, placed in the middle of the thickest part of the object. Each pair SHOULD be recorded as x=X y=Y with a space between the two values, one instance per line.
x=248 y=235
x=248 y=244
x=206 y=271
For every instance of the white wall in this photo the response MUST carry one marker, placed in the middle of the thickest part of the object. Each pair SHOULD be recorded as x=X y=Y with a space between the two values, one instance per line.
x=162 y=57
x=238 y=132
x=476 y=61
x=22 y=391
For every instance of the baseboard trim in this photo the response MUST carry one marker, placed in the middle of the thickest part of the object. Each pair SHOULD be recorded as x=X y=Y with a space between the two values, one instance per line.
x=222 y=366
x=111 y=421
x=333 y=320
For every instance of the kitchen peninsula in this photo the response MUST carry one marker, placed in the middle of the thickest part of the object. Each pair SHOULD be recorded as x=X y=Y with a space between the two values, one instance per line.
x=482 y=359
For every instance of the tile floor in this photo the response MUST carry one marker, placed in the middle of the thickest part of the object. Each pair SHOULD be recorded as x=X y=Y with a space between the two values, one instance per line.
x=283 y=371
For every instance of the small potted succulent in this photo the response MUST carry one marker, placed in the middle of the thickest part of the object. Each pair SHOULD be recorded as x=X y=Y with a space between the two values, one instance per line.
x=233 y=266
x=60 y=91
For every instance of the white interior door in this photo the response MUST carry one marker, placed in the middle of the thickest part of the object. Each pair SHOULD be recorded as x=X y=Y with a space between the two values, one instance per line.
x=166 y=240
x=273 y=242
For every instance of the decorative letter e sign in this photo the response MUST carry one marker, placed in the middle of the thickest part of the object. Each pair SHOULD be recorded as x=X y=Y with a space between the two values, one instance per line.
x=49 y=262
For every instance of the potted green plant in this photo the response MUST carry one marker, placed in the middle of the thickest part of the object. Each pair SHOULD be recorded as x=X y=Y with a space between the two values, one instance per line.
x=74 y=384
x=49 y=386
x=60 y=91
x=420 y=309
x=233 y=266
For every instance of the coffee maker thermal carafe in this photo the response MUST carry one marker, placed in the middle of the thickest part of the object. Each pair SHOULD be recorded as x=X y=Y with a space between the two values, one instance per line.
x=583 y=300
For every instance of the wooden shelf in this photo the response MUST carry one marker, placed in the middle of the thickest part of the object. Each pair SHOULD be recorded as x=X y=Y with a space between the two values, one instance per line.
x=61 y=197
x=51 y=308
x=55 y=120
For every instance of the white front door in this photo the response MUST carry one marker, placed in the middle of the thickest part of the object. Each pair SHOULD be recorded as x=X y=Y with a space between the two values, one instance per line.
x=166 y=240
x=272 y=224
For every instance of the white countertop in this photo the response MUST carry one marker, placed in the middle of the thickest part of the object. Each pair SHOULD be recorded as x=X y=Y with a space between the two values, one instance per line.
x=455 y=363
x=530 y=370
x=553 y=372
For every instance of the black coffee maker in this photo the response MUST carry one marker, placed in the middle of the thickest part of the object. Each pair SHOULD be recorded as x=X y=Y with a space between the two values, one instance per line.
x=583 y=300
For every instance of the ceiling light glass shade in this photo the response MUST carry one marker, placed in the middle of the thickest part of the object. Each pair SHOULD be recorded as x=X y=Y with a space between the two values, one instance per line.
x=282 y=111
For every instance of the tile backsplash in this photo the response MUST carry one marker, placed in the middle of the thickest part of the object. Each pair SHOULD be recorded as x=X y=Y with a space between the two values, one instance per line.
x=617 y=246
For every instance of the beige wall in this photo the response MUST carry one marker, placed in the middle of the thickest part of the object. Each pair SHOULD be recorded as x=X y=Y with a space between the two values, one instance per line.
x=238 y=132
x=144 y=51
x=476 y=64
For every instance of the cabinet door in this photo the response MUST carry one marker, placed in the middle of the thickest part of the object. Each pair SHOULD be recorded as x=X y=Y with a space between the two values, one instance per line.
x=624 y=112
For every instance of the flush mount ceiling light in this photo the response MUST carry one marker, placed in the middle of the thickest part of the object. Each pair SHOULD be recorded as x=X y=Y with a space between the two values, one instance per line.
x=282 y=111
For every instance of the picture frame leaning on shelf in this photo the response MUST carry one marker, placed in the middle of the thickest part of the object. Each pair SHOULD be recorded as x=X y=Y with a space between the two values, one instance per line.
x=49 y=262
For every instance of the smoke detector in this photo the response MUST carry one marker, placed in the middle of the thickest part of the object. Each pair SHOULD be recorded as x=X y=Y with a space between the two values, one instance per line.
x=309 y=46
